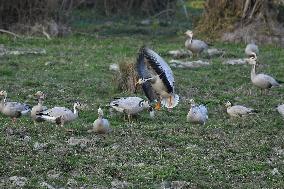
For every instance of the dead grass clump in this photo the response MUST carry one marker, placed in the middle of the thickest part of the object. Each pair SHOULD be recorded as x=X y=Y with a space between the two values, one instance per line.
x=127 y=76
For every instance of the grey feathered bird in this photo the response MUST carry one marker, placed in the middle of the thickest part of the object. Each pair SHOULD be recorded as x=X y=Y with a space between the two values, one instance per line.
x=12 y=109
x=194 y=45
x=156 y=78
x=238 y=110
x=60 y=115
x=39 y=107
x=197 y=114
x=101 y=125
x=129 y=105
x=261 y=80
x=280 y=109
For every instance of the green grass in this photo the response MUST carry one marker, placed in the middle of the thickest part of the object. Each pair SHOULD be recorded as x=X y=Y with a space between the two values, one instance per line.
x=224 y=153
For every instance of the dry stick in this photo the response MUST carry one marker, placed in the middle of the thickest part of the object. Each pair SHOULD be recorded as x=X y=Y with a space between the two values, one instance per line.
x=246 y=7
x=46 y=34
x=162 y=12
x=8 y=32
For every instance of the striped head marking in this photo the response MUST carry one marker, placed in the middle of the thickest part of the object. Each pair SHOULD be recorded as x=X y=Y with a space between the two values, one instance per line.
x=189 y=33
x=144 y=104
x=228 y=104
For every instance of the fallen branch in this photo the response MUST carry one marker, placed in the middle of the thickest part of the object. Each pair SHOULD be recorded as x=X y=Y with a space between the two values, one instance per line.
x=46 y=34
x=8 y=32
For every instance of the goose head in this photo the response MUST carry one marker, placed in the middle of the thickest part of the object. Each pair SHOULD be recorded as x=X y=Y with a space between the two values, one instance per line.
x=3 y=93
x=144 y=104
x=40 y=95
x=100 y=112
x=228 y=104
x=189 y=33
x=77 y=105
x=252 y=59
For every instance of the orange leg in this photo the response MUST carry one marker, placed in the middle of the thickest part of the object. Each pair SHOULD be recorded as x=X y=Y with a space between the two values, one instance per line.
x=158 y=106
x=170 y=101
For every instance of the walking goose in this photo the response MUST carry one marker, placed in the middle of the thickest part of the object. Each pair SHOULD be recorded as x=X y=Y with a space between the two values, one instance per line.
x=197 y=114
x=101 y=125
x=194 y=45
x=261 y=80
x=280 y=109
x=130 y=105
x=238 y=110
x=60 y=115
x=251 y=50
x=39 y=107
x=12 y=109
x=156 y=78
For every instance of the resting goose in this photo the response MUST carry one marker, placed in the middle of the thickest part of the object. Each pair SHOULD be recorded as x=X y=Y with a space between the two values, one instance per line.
x=194 y=45
x=12 y=109
x=156 y=78
x=101 y=125
x=251 y=50
x=130 y=105
x=261 y=80
x=238 y=110
x=39 y=107
x=60 y=115
x=197 y=114
x=280 y=109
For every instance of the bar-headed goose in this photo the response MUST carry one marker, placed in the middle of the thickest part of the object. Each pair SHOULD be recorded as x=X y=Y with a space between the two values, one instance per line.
x=101 y=125
x=156 y=78
x=40 y=96
x=197 y=114
x=12 y=109
x=194 y=45
x=130 y=105
x=280 y=109
x=60 y=115
x=251 y=50
x=261 y=80
x=238 y=110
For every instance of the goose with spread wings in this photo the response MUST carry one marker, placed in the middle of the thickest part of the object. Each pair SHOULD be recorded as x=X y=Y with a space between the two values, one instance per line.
x=156 y=78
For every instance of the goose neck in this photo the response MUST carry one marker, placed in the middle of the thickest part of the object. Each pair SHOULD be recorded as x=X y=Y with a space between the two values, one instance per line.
x=252 y=73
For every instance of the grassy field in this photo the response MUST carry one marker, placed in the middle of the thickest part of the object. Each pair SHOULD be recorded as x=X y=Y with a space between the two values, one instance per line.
x=225 y=153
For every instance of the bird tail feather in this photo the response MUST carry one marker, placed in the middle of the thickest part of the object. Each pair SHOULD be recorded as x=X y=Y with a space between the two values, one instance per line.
x=174 y=101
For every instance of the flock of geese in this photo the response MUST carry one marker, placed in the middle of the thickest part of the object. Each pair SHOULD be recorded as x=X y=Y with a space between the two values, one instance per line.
x=157 y=81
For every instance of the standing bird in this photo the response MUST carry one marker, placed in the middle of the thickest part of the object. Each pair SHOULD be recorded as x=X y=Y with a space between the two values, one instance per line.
x=60 y=115
x=251 y=50
x=101 y=125
x=238 y=110
x=280 y=109
x=261 y=80
x=197 y=114
x=156 y=78
x=130 y=105
x=12 y=109
x=39 y=107
x=194 y=45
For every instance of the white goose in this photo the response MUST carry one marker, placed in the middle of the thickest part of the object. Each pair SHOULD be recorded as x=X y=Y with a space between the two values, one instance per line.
x=12 y=109
x=251 y=50
x=197 y=114
x=130 y=105
x=238 y=110
x=156 y=78
x=101 y=125
x=280 y=109
x=194 y=45
x=263 y=81
x=39 y=107
x=60 y=115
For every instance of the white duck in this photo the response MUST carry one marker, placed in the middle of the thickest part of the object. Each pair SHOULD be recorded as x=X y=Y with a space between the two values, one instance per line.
x=39 y=107
x=12 y=109
x=251 y=50
x=194 y=45
x=197 y=114
x=280 y=109
x=156 y=78
x=238 y=110
x=130 y=105
x=60 y=115
x=263 y=81
x=101 y=125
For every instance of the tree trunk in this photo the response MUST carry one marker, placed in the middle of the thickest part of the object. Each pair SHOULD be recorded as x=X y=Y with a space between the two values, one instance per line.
x=260 y=21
